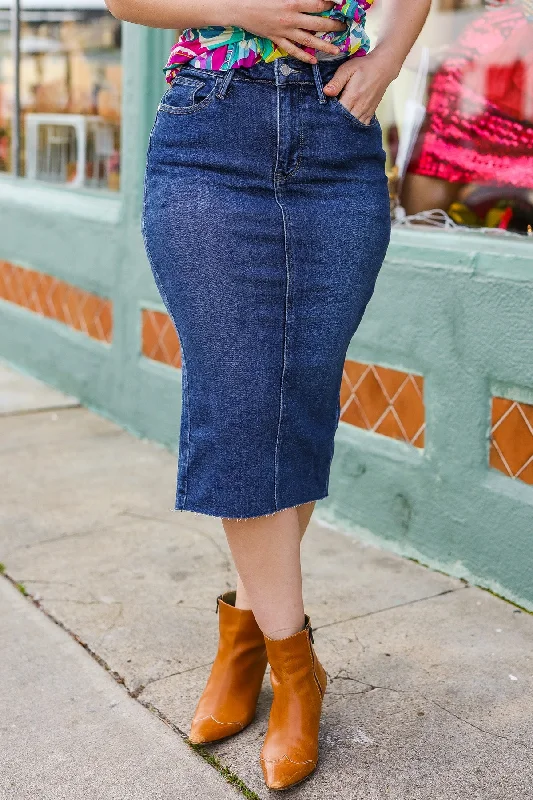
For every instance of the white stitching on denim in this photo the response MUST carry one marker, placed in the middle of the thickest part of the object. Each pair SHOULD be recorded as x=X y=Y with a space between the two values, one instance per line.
x=318 y=83
x=287 y=276
x=166 y=109
x=351 y=117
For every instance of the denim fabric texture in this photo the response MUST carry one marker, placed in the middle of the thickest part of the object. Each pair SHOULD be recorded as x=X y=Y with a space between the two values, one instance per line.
x=265 y=221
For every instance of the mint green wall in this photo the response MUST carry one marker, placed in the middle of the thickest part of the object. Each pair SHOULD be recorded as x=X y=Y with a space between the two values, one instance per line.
x=454 y=308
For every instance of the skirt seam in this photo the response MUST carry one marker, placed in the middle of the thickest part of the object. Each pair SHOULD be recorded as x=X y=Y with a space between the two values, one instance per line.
x=287 y=277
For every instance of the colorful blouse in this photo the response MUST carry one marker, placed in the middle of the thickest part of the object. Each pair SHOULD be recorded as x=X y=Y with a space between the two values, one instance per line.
x=229 y=48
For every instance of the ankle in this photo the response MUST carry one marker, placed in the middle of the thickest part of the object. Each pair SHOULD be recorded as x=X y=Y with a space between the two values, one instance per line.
x=285 y=632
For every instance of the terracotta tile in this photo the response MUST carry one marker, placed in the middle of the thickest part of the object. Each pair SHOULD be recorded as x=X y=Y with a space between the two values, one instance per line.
x=527 y=474
x=106 y=321
x=389 y=426
x=50 y=297
x=386 y=401
x=495 y=460
x=512 y=439
x=10 y=284
x=88 y=313
x=420 y=438
x=392 y=379
x=419 y=380
x=345 y=393
x=353 y=370
x=26 y=281
x=6 y=281
x=54 y=301
x=372 y=399
x=18 y=292
x=410 y=408
x=40 y=291
x=170 y=343
x=499 y=406
x=71 y=308
x=352 y=415
x=149 y=339
x=159 y=339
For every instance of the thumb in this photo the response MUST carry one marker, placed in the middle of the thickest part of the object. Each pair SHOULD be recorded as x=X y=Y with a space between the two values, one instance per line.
x=339 y=80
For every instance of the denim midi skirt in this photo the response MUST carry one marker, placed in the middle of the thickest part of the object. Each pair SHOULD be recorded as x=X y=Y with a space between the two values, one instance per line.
x=266 y=221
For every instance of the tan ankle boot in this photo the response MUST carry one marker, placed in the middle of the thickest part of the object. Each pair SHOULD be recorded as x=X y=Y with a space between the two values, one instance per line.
x=228 y=702
x=290 y=750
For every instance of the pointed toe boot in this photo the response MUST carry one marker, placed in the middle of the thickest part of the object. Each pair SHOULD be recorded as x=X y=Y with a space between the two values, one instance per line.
x=229 y=700
x=290 y=749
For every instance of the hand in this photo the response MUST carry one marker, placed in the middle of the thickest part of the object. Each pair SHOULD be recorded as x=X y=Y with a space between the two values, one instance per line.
x=363 y=82
x=288 y=23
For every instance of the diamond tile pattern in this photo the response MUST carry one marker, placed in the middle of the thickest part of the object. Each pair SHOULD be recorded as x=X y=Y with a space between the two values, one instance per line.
x=511 y=439
x=56 y=299
x=385 y=401
x=159 y=338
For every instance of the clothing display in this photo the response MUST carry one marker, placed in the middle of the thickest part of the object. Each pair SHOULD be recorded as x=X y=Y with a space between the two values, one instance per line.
x=229 y=48
x=479 y=120
x=266 y=222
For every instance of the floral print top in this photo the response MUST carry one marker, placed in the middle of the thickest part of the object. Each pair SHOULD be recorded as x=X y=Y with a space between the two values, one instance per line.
x=227 y=48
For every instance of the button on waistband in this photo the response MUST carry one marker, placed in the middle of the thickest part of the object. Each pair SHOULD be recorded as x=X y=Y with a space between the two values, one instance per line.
x=286 y=70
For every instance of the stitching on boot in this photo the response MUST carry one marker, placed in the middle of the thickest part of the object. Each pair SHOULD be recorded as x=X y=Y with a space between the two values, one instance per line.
x=285 y=758
x=210 y=716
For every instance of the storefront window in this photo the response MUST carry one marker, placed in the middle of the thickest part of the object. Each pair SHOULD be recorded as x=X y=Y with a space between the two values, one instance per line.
x=458 y=121
x=70 y=93
x=6 y=91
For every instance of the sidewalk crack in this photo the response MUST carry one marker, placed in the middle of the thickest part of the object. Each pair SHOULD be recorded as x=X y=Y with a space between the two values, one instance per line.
x=390 y=608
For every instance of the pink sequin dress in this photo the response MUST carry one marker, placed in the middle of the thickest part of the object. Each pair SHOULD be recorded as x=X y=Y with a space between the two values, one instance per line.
x=478 y=127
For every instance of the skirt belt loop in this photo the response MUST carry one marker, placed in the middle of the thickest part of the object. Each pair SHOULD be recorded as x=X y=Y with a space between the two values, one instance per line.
x=318 y=83
x=224 y=85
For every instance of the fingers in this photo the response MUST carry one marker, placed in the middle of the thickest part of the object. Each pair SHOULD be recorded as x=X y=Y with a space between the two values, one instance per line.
x=340 y=79
x=308 y=22
x=311 y=6
x=352 y=98
x=293 y=50
x=308 y=40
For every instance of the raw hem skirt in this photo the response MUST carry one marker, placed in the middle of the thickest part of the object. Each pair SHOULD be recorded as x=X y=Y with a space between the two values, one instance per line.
x=266 y=221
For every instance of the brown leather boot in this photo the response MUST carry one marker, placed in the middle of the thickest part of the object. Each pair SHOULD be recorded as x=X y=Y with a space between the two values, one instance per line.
x=290 y=750
x=228 y=702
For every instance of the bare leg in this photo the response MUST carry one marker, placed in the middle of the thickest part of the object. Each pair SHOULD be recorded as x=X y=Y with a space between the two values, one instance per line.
x=304 y=513
x=266 y=551
x=420 y=193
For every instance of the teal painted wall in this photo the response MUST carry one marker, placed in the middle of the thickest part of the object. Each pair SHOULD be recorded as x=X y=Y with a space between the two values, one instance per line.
x=456 y=308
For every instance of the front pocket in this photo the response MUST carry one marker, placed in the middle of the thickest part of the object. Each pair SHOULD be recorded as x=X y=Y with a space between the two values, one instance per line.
x=187 y=95
x=353 y=119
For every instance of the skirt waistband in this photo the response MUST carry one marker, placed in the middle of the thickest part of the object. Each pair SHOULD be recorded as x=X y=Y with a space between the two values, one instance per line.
x=281 y=72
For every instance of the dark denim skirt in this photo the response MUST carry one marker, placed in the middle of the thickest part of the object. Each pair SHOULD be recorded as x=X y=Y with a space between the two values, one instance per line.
x=266 y=221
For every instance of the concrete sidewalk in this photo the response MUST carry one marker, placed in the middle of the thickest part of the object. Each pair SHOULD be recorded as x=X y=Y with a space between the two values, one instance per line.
x=431 y=681
x=69 y=731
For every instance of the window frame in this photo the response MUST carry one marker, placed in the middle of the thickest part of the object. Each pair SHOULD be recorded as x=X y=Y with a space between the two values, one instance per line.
x=15 y=173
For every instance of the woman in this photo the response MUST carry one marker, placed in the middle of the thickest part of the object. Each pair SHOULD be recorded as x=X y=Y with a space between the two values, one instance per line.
x=266 y=221
x=479 y=117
